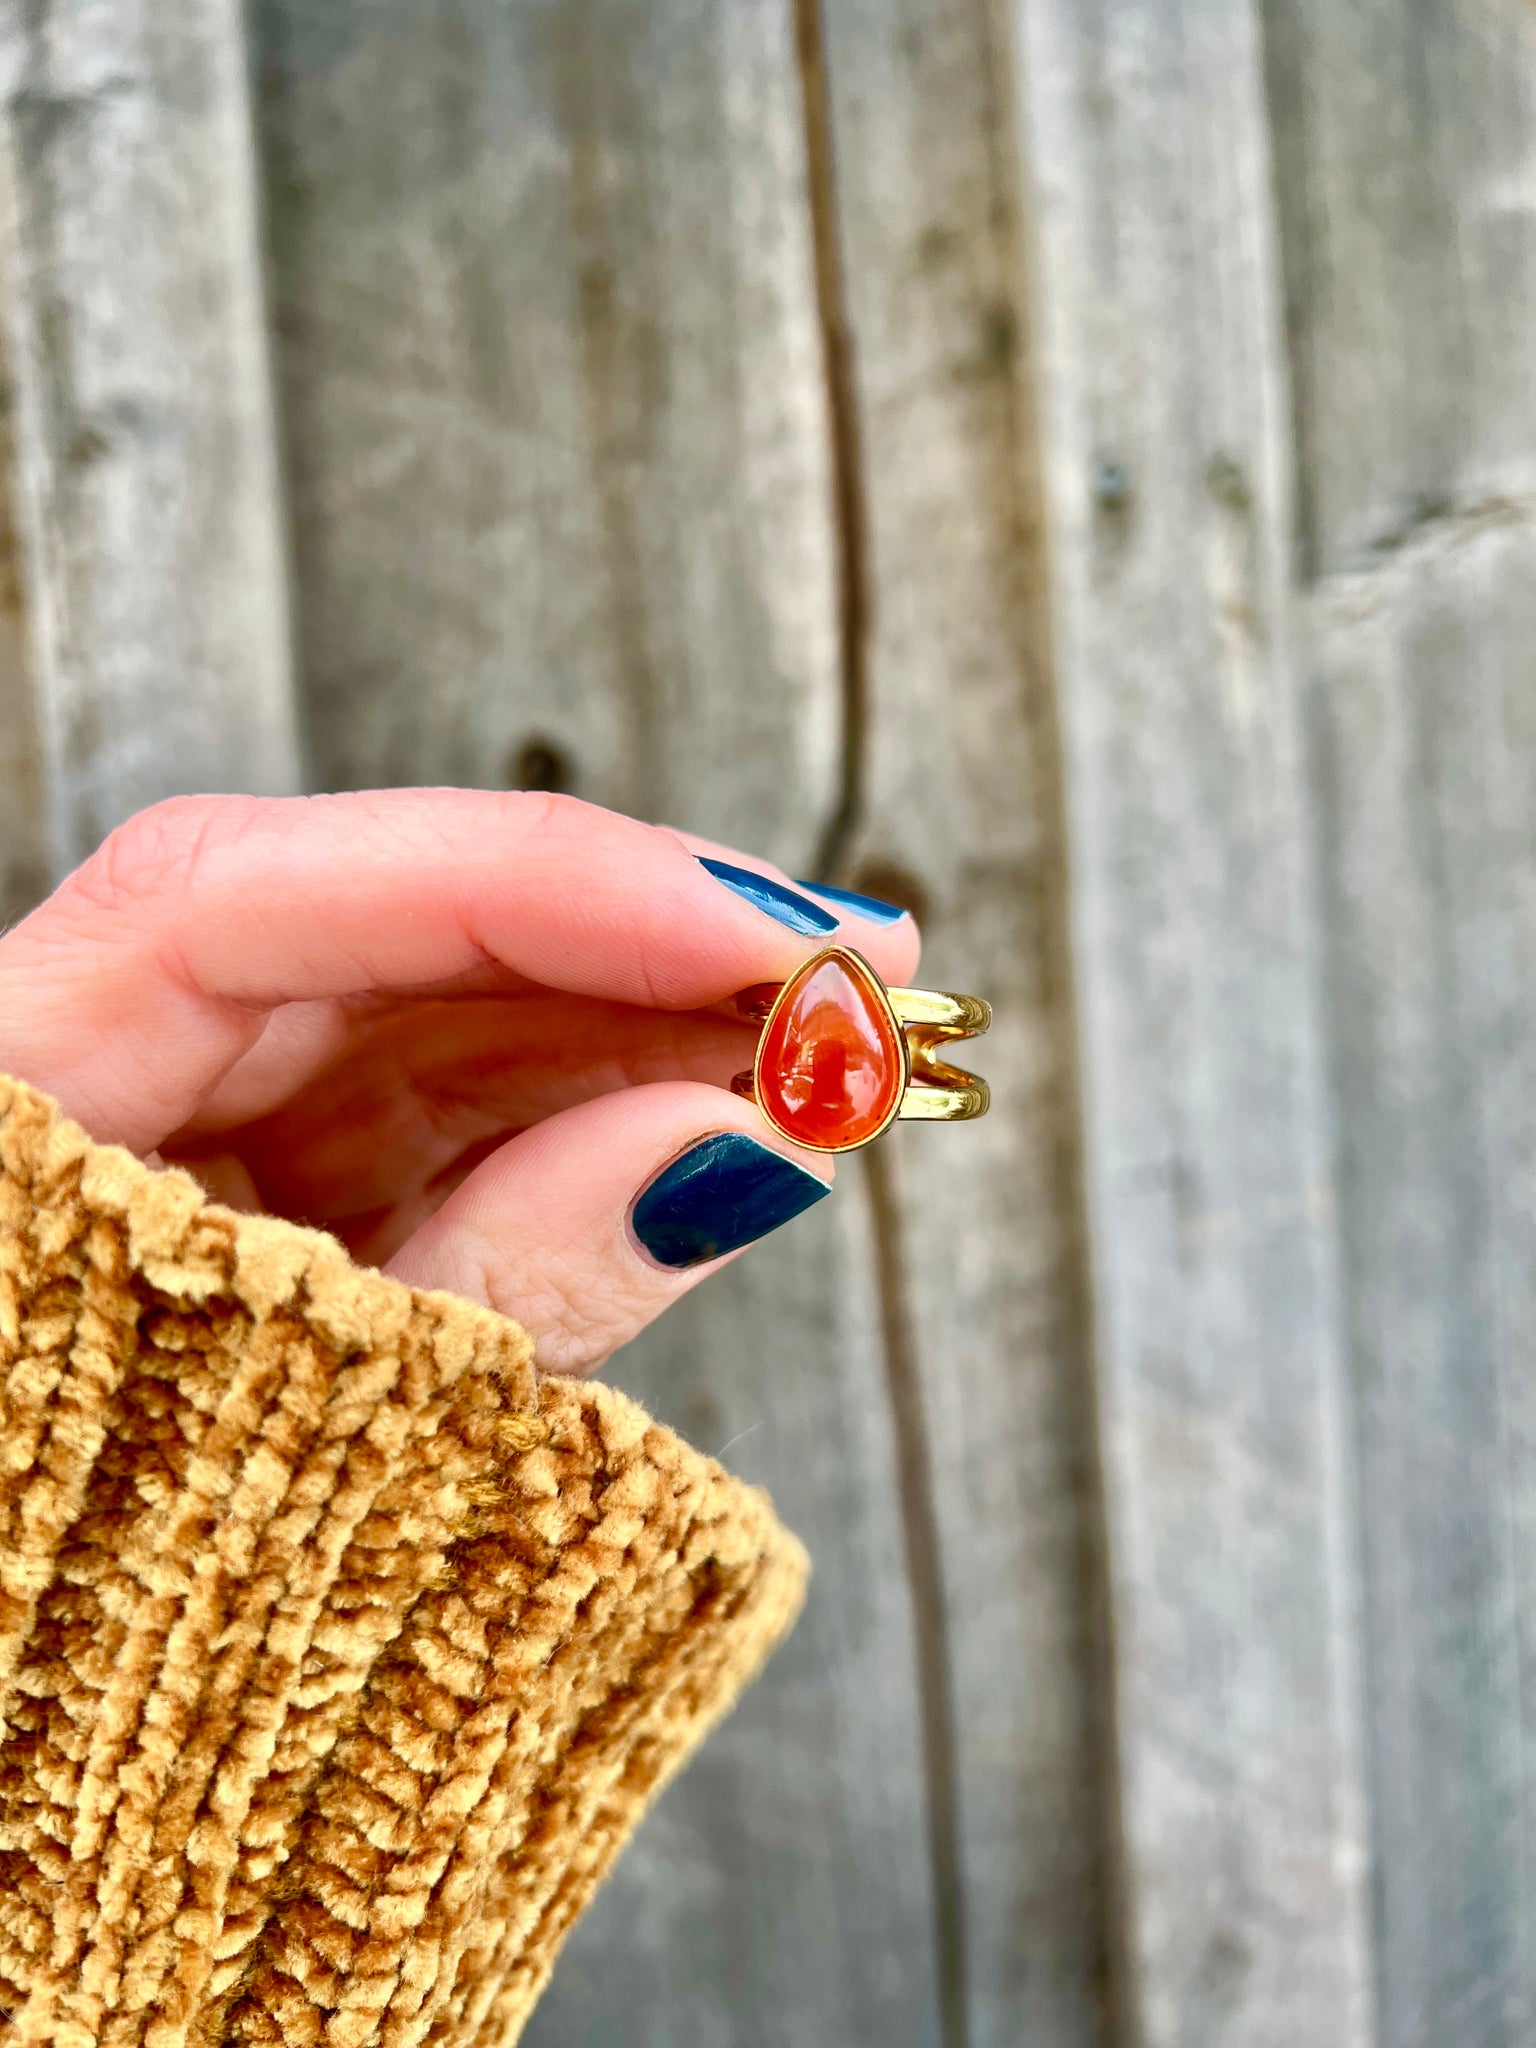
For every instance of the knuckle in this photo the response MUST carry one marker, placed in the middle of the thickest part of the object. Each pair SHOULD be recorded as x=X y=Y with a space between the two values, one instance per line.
x=538 y=809
x=156 y=854
x=572 y=822
x=533 y=815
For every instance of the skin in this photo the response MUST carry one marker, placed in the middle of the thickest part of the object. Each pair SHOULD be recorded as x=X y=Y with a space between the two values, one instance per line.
x=459 y=1029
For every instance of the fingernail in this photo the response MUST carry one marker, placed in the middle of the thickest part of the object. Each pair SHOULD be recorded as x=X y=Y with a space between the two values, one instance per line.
x=798 y=912
x=861 y=906
x=723 y=1192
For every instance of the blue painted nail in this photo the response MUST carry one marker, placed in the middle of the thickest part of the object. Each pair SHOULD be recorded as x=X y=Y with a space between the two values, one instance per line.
x=861 y=906
x=798 y=912
x=722 y=1193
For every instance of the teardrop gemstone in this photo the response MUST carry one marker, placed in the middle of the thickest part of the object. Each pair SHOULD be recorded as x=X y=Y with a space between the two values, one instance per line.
x=832 y=1064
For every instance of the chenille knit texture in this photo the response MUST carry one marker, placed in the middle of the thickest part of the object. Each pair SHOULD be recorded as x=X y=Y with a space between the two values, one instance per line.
x=339 y=1650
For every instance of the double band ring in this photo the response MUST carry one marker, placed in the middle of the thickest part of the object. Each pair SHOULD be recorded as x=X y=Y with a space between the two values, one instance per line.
x=841 y=1056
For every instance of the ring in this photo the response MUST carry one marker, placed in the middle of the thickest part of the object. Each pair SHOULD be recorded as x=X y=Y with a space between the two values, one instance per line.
x=841 y=1056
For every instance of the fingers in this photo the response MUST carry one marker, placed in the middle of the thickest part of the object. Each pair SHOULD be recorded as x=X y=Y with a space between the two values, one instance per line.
x=420 y=1088
x=151 y=972
x=588 y=1226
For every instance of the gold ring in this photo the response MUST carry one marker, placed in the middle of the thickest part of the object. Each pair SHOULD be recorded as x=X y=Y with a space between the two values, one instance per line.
x=841 y=1056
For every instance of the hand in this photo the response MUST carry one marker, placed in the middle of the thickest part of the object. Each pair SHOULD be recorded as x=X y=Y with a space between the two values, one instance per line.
x=462 y=1031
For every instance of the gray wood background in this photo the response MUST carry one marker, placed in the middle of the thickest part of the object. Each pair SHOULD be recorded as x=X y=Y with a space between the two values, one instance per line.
x=1072 y=461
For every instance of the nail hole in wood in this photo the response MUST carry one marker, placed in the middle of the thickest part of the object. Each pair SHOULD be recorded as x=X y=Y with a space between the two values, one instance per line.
x=1112 y=487
x=539 y=764
x=1228 y=484
x=892 y=884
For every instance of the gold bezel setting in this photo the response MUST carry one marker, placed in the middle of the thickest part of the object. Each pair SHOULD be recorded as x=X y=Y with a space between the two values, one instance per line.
x=924 y=1020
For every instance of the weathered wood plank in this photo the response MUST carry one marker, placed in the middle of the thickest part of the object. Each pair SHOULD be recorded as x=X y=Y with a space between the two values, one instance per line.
x=1425 y=719
x=552 y=381
x=23 y=838
x=1222 y=1423
x=551 y=387
x=985 y=1259
x=1404 y=140
x=1403 y=153
x=156 y=614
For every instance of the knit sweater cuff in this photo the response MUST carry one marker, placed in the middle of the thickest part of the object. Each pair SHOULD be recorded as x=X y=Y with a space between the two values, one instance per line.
x=339 y=1652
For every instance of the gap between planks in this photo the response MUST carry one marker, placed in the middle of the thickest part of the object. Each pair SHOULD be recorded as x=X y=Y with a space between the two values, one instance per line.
x=919 y=1519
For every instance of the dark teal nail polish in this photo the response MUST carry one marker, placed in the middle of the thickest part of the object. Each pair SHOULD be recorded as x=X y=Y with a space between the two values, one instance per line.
x=798 y=912
x=721 y=1193
x=861 y=906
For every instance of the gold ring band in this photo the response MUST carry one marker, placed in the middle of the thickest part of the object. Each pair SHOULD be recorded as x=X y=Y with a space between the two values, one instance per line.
x=840 y=1056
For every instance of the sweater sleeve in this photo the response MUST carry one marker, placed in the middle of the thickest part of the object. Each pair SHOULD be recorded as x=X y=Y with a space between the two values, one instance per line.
x=339 y=1651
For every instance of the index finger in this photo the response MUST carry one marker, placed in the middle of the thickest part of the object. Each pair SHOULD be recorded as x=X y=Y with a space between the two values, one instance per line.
x=153 y=967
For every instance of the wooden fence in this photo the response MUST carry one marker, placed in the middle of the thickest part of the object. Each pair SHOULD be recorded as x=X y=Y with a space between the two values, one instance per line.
x=1071 y=461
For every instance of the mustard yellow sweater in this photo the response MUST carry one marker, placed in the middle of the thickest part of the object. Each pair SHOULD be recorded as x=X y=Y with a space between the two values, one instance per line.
x=339 y=1652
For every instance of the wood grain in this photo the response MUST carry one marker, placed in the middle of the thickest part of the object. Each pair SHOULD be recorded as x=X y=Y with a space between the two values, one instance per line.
x=23 y=787
x=552 y=378
x=151 y=543
x=1402 y=142
x=986 y=1259
x=1223 y=1426
x=1425 y=733
x=1405 y=142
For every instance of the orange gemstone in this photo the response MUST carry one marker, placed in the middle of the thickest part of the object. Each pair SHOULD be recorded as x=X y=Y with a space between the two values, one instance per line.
x=831 y=1066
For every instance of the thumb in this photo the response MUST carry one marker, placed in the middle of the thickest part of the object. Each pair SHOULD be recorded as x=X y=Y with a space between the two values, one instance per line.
x=588 y=1225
